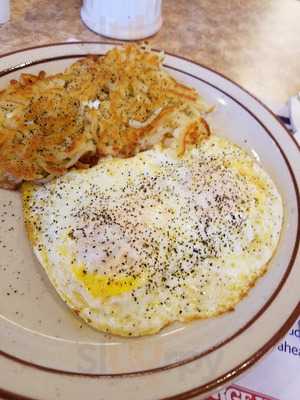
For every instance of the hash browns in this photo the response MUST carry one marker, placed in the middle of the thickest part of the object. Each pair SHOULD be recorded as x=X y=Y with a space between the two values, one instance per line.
x=113 y=105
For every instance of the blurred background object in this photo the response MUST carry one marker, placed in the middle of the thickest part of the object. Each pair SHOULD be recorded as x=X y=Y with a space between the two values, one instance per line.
x=123 y=19
x=4 y=11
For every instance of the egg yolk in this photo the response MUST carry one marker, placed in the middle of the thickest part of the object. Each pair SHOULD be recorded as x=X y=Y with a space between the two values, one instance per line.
x=103 y=286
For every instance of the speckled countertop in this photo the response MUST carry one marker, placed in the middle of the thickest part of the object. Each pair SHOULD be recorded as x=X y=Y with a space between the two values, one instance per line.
x=254 y=42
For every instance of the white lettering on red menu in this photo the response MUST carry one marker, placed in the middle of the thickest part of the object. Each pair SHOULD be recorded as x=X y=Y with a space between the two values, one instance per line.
x=235 y=392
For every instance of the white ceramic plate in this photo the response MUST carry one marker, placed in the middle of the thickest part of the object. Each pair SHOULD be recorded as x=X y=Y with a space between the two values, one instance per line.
x=47 y=353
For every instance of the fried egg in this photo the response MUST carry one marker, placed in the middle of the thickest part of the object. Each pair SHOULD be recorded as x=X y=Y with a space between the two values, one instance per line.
x=132 y=245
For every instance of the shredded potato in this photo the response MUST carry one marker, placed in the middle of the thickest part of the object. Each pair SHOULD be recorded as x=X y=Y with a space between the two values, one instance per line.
x=113 y=105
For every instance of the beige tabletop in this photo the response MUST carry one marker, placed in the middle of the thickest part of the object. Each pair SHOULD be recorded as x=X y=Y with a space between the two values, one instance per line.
x=254 y=42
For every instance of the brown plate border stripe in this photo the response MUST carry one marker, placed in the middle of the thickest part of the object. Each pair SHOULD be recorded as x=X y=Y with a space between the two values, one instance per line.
x=251 y=360
x=7 y=395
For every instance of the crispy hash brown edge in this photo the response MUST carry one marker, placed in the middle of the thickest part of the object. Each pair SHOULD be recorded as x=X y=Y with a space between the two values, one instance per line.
x=39 y=159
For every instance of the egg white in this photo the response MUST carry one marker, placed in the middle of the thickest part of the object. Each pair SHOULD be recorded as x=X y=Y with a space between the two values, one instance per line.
x=134 y=244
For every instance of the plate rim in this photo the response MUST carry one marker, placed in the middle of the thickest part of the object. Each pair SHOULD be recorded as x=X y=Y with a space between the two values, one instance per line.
x=236 y=371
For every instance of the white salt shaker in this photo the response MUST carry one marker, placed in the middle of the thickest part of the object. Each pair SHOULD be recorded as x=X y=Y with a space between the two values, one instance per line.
x=4 y=11
x=123 y=19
